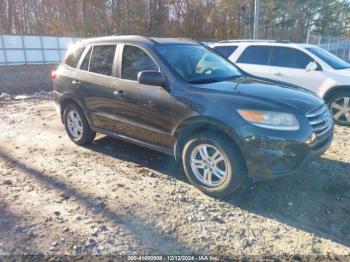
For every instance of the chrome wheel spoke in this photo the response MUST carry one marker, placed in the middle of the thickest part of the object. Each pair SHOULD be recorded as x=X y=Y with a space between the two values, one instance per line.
x=336 y=106
x=346 y=102
x=347 y=116
x=197 y=163
x=218 y=172
x=217 y=157
x=207 y=176
x=204 y=152
x=338 y=115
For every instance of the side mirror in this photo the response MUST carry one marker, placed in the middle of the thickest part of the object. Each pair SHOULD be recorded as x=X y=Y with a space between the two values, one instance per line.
x=153 y=78
x=312 y=66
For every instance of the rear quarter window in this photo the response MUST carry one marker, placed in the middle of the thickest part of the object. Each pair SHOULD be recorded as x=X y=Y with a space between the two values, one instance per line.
x=73 y=58
x=225 y=51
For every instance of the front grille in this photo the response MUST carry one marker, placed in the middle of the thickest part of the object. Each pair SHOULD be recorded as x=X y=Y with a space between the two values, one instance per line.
x=320 y=120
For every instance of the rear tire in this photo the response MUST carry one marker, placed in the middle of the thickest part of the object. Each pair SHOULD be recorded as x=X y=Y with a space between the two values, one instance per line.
x=77 y=126
x=339 y=105
x=212 y=164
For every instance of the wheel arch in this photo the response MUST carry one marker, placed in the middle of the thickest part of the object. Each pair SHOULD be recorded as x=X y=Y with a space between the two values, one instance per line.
x=65 y=101
x=336 y=89
x=196 y=125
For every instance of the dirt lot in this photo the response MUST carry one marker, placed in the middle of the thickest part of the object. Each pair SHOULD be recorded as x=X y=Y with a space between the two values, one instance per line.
x=117 y=198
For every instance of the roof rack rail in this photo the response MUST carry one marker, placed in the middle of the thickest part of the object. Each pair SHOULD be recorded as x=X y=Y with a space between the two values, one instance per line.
x=247 y=40
x=139 y=35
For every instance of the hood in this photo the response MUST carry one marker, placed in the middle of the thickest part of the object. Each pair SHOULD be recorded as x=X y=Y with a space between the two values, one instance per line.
x=342 y=72
x=280 y=95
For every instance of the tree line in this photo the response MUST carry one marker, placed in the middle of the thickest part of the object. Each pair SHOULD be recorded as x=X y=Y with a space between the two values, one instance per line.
x=199 y=19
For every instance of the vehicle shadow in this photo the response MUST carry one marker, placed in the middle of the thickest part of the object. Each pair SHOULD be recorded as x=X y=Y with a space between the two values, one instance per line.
x=315 y=200
x=160 y=242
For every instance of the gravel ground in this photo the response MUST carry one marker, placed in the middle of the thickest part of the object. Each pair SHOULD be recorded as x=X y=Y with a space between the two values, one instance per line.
x=117 y=198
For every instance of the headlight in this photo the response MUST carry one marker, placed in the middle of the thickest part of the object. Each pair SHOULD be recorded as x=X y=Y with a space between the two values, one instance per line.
x=271 y=120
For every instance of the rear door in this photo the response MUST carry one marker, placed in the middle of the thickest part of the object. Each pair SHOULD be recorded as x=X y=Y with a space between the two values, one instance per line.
x=96 y=84
x=255 y=59
x=289 y=65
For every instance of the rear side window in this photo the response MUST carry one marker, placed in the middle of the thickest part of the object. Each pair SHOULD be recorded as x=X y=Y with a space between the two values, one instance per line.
x=225 y=51
x=73 y=58
x=257 y=55
x=134 y=61
x=290 y=57
x=102 y=58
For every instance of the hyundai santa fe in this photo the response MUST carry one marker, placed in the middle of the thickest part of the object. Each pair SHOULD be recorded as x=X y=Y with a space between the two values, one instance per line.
x=183 y=99
x=304 y=65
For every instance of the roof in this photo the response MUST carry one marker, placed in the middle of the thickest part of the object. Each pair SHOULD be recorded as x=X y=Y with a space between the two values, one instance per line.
x=141 y=39
x=260 y=42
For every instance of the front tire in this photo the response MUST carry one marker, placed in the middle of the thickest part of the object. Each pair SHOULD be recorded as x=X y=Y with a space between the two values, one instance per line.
x=213 y=165
x=77 y=126
x=339 y=105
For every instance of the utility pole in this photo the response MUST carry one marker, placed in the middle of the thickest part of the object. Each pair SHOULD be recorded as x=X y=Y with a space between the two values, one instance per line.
x=256 y=19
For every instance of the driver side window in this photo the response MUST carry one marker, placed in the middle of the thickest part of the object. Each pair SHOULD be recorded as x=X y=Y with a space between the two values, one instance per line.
x=135 y=60
x=290 y=58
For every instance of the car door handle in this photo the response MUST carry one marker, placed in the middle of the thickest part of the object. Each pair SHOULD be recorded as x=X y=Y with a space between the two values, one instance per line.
x=76 y=82
x=118 y=93
x=278 y=74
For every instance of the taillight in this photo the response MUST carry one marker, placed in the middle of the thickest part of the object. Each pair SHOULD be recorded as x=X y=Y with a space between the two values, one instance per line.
x=53 y=75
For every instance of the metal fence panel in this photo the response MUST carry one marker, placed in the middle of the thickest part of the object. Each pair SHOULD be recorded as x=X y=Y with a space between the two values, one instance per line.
x=24 y=49
x=15 y=56
x=2 y=57
x=34 y=56
x=32 y=42
x=13 y=41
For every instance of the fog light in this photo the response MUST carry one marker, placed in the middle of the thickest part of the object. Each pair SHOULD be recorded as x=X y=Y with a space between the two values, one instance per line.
x=311 y=138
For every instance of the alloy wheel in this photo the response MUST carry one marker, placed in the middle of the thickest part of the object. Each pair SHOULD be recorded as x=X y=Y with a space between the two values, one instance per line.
x=340 y=108
x=209 y=165
x=75 y=125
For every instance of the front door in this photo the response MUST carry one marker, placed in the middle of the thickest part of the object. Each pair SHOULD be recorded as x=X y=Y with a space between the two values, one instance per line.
x=145 y=111
x=289 y=65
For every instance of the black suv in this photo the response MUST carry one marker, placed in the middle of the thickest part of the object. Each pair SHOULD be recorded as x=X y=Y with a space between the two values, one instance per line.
x=181 y=98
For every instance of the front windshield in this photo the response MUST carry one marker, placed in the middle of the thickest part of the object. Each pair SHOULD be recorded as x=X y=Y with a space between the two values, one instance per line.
x=197 y=64
x=329 y=58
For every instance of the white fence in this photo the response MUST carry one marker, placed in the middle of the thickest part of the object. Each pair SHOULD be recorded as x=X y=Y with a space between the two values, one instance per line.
x=25 y=49
x=339 y=46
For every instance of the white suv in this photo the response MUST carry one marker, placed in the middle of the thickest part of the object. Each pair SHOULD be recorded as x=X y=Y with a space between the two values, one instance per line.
x=304 y=65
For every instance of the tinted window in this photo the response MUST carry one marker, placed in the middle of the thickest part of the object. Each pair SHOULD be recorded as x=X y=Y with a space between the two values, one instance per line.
x=85 y=64
x=329 y=58
x=290 y=57
x=134 y=61
x=102 y=59
x=73 y=58
x=258 y=55
x=197 y=64
x=225 y=51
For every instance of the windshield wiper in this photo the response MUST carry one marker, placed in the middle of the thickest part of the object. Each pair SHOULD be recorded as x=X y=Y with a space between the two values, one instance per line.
x=213 y=80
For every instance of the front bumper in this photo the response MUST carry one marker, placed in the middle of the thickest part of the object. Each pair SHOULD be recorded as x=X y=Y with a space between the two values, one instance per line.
x=271 y=154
